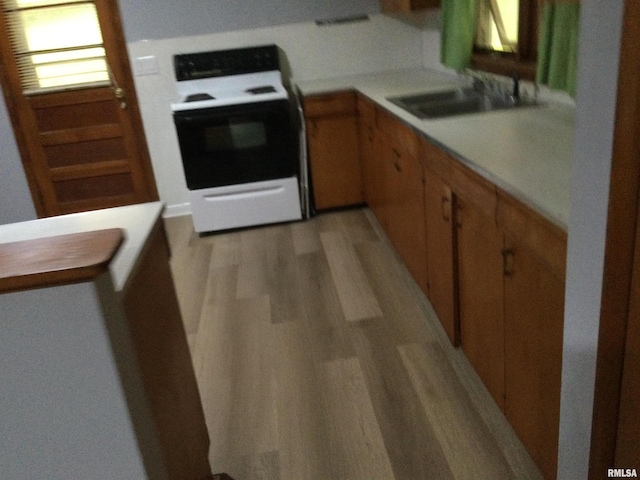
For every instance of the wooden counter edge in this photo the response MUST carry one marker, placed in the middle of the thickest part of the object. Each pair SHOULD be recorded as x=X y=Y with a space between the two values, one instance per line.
x=57 y=260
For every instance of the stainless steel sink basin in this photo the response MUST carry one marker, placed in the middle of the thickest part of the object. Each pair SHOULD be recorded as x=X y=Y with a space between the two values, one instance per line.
x=459 y=101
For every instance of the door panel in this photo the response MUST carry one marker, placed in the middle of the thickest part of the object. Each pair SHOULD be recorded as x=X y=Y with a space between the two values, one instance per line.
x=82 y=150
x=534 y=314
x=440 y=253
x=407 y=230
x=481 y=290
x=85 y=152
x=628 y=435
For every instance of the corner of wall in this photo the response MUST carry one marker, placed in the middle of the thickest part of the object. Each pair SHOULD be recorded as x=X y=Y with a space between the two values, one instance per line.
x=16 y=204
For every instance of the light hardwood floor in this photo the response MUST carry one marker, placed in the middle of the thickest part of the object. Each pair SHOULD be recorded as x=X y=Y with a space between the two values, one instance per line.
x=317 y=357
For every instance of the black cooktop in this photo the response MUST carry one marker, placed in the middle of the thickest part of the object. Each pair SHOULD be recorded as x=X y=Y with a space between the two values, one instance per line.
x=260 y=90
x=220 y=63
x=197 y=97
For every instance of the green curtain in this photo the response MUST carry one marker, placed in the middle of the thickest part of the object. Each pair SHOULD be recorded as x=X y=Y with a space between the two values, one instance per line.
x=558 y=46
x=458 y=27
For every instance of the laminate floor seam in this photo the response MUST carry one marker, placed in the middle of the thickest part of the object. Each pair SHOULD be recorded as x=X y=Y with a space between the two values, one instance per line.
x=305 y=376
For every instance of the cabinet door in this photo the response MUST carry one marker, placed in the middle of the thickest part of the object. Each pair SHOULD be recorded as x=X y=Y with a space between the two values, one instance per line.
x=334 y=154
x=408 y=225
x=335 y=161
x=481 y=291
x=438 y=201
x=534 y=309
x=379 y=179
x=403 y=194
x=367 y=134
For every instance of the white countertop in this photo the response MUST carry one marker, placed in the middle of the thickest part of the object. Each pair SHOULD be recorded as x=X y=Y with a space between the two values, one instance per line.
x=136 y=221
x=527 y=152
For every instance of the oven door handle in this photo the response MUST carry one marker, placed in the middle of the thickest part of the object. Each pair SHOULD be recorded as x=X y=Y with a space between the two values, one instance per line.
x=247 y=193
x=184 y=119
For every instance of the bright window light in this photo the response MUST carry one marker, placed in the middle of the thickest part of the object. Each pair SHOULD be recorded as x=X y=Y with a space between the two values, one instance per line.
x=57 y=44
x=497 y=25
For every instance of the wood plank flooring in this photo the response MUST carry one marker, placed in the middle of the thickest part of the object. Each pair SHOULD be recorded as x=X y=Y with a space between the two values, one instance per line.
x=317 y=357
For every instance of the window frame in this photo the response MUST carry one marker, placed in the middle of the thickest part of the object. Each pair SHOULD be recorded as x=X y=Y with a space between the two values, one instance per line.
x=521 y=63
x=30 y=80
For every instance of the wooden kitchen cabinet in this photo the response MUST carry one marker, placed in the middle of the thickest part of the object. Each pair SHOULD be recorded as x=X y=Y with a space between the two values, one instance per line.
x=399 y=6
x=440 y=226
x=534 y=301
x=492 y=268
x=534 y=311
x=381 y=181
x=403 y=195
x=511 y=270
x=481 y=295
x=332 y=143
x=371 y=181
x=480 y=277
x=439 y=222
x=511 y=265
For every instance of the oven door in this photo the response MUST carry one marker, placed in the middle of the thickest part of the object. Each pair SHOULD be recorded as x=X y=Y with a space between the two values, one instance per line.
x=237 y=144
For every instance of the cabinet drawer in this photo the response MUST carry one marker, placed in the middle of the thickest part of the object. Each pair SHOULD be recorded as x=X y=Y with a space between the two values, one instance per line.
x=473 y=188
x=546 y=240
x=330 y=104
x=401 y=135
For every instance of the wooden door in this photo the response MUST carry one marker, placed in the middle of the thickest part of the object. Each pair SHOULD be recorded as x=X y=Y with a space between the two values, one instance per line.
x=481 y=291
x=615 y=432
x=82 y=148
x=533 y=326
x=438 y=201
x=628 y=434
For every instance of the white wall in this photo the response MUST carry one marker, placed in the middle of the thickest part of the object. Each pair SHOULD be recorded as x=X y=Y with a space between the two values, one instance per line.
x=156 y=19
x=310 y=52
x=63 y=410
x=16 y=204
x=596 y=97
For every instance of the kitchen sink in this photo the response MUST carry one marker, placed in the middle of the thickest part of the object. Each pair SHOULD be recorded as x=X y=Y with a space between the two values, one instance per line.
x=460 y=101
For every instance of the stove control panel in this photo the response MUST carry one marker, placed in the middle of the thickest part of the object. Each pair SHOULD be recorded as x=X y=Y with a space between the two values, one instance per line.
x=220 y=63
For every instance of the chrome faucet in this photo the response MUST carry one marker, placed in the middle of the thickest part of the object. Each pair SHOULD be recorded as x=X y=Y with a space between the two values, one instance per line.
x=479 y=84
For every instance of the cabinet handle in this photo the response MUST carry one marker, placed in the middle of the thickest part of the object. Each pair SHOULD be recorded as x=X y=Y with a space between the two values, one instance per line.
x=508 y=261
x=446 y=209
x=396 y=163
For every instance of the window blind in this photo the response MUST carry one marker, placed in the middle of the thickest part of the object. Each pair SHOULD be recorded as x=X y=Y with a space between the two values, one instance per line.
x=497 y=25
x=56 y=44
